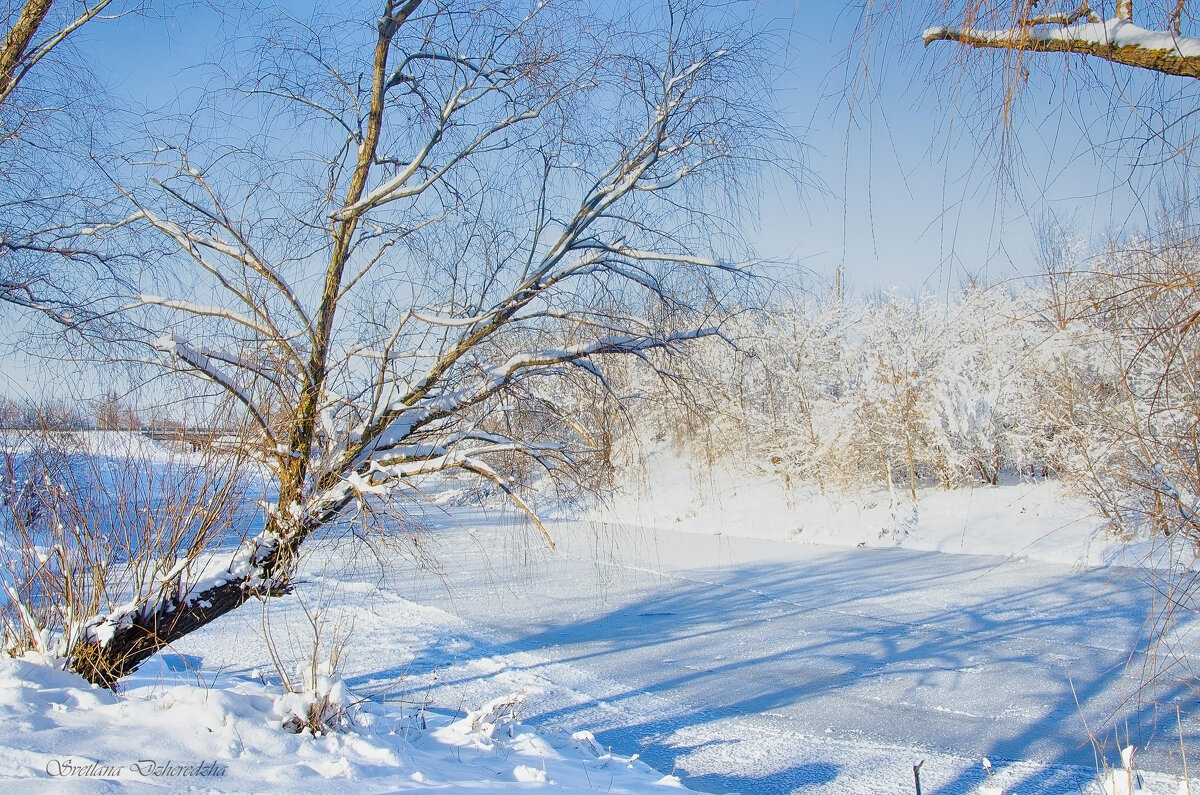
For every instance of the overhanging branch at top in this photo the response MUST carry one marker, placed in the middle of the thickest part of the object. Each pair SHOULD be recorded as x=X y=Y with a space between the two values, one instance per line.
x=1117 y=40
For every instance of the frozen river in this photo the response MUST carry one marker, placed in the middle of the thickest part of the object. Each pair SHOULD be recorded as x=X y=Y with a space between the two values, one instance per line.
x=759 y=666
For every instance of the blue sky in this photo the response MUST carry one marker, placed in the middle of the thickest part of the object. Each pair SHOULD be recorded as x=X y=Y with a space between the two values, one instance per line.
x=899 y=195
x=912 y=197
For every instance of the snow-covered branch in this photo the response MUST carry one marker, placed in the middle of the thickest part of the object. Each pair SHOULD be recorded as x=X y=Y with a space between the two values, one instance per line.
x=401 y=421
x=242 y=252
x=398 y=188
x=1117 y=40
x=199 y=360
x=201 y=310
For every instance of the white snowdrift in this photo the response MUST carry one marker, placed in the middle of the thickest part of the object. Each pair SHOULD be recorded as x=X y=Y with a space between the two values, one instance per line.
x=1038 y=520
x=165 y=731
x=109 y=444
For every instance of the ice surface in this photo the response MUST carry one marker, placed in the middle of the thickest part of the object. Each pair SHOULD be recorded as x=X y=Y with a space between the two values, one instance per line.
x=765 y=666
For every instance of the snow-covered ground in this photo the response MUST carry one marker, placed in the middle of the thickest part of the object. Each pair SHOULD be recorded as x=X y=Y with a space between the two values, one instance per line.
x=736 y=638
x=203 y=721
x=1023 y=519
x=113 y=444
x=758 y=666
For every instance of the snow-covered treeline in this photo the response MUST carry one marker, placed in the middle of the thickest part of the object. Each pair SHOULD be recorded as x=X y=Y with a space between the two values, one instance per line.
x=894 y=390
x=1088 y=375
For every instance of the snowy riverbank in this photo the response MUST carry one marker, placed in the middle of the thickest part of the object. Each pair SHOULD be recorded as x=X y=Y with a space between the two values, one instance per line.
x=695 y=639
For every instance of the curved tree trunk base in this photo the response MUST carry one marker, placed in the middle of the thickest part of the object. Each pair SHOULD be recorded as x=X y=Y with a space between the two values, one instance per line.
x=105 y=663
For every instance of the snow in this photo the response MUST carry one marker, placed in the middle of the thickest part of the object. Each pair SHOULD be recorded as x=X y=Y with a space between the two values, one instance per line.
x=1021 y=519
x=114 y=444
x=754 y=665
x=166 y=729
x=712 y=630
x=1117 y=32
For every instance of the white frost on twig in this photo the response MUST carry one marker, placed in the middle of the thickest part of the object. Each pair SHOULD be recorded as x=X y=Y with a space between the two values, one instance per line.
x=197 y=357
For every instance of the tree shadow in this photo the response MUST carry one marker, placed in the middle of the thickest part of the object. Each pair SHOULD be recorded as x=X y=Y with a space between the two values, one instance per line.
x=793 y=779
x=759 y=677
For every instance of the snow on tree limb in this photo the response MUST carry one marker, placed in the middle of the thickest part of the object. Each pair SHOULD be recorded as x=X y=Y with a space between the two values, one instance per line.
x=380 y=477
x=199 y=360
x=480 y=468
x=241 y=252
x=391 y=454
x=398 y=424
x=201 y=310
x=397 y=187
x=1117 y=40
x=192 y=244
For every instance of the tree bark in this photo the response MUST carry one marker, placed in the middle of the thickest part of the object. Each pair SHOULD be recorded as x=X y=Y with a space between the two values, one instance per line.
x=17 y=56
x=104 y=664
x=16 y=43
x=1165 y=61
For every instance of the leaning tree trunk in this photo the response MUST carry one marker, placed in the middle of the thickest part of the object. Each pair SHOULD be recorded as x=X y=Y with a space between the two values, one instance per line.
x=114 y=646
x=103 y=661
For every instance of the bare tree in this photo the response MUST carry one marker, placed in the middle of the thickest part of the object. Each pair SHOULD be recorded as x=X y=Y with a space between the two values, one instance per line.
x=49 y=202
x=400 y=244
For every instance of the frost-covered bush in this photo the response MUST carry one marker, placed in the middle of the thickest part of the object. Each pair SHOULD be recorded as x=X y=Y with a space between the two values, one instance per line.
x=1141 y=397
x=91 y=522
x=900 y=392
x=892 y=391
x=1090 y=374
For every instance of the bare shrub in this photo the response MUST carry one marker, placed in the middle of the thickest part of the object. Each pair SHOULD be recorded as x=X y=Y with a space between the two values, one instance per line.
x=315 y=698
x=97 y=523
